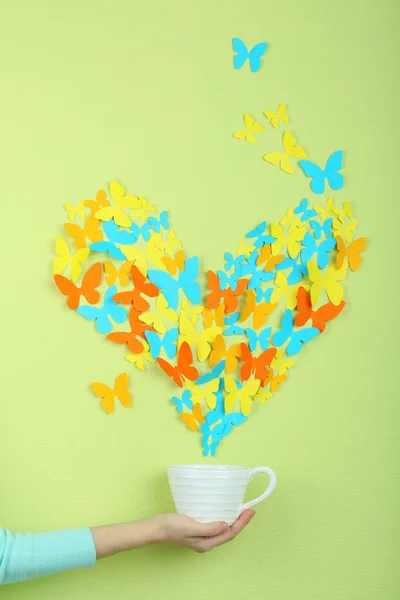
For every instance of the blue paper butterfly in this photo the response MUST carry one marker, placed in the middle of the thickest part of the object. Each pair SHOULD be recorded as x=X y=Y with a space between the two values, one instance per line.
x=218 y=424
x=262 y=295
x=110 y=309
x=144 y=231
x=115 y=236
x=311 y=247
x=226 y=281
x=186 y=281
x=305 y=212
x=231 y=262
x=233 y=329
x=161 y=223
x=213 y=374
x=258 y=277
x=249 y=267
x=168 y=342
x=296 y=337
x=261 y=338
x=259 y=235
x=184 y=401
x=319 y=229
x=254 y=55
x=299 y=269
x=331 y=173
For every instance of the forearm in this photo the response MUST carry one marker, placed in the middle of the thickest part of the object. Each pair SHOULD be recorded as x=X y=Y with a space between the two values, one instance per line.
x=110 y=539
x=30 y=555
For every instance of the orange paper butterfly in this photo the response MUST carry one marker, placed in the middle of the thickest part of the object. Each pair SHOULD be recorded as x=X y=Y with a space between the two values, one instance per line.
x=229 y=297
x=108 y=395
x=130 y=337
x=100 y=202
x=220 y=351
x=352 y=252
x=91 y=280
x=91 y=230
x=276 y=381
x=191 y=419
x=213 y=316
x=173 y=264
x=184 y=368
x=259 y=311
x=139 y=287
x=318 y=317
x=256 y=365
x=266 y=256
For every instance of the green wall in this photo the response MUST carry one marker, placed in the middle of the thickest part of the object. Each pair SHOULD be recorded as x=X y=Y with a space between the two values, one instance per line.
x=145 y=92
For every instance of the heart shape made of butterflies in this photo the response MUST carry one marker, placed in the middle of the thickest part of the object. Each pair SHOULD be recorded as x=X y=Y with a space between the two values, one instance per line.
x=142 y=292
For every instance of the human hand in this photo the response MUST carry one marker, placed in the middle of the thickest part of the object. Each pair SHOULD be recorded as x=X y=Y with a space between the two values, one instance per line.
x=201 y=537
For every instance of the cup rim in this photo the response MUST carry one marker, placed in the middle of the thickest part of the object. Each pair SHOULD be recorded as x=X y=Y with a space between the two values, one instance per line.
x=208 y=467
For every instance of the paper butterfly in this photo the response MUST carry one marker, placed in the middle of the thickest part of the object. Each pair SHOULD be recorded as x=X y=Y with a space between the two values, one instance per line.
x=244 y=393
x=91 y=280
x=305 y=212
x=328 y=280
x=91 y=230
x=242 y=54
x=168 y=342
x=352 y=252
x=108 y=395
x=184 y=369
x=130 y=338
x=252 y=127
x=290 y=150
x=187 y=282
x=185 y=401
x=322 y=251
x=72 y=212
x=280 y=115
x=330 y=173
x=296 y=338
x=318 y=317
x=102 y=316
x=116 y=212
x=65 y=257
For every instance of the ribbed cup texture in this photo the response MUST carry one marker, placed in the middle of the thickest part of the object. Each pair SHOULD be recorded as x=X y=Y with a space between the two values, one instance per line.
x=208 y=494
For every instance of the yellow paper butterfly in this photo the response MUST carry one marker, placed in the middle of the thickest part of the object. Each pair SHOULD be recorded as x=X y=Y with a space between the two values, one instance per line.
x=280 y=115
x=72 y=212
x=284 y=289
x=113 y=274
x=279 y=362
x=263 y=396
x=139 y=360
x=328 y=280
x=202 y=340
x=108 y=395
x=292 y=220
x=345 y=230
x=206 y=391
x=167 y=246
x=144 y=208
x=162 y=311
x=65 y=257
x=245 y=394
x=252 y=127
x=292 y=239
x=283 y=158
x=191 y=313
x=243 y=249
x=122 y=200
x=140 y=258
x=344 y=212
x=324 y=212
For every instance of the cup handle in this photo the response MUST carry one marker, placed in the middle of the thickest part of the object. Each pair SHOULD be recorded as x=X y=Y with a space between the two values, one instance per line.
x=272 y=485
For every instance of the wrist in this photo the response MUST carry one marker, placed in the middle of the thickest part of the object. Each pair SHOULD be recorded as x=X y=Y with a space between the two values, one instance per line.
x=157 y=529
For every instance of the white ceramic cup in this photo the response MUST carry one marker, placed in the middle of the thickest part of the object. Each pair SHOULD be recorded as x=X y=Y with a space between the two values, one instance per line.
x=214 y=493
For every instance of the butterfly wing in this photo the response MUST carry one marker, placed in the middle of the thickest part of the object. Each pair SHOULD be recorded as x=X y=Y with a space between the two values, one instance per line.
x=255 y=55
x=89 y=312
x=231 y=390
x=121 y=390
x=317 y=175
x=323 y=252
x=246 y=395
x=155 y=343
x=303 y=335
x=333 y=166
x=286 y=330
x=91 y=280
x=213 y=374
x=303 y=306
x=106 y=394
x=169 y=286
x=326 y=313
x=185 y=362
x=169 y=342
x=353 y=253
x=187 y=280
x=69 y=289
x=171 y=371
x=240 y=48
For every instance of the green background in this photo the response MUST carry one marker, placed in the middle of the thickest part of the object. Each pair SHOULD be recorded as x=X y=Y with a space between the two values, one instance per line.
x=145 y=92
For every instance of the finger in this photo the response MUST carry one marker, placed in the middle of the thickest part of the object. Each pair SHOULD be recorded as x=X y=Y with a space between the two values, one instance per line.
x=242 y=521
x=208 y=530
x=231 y=533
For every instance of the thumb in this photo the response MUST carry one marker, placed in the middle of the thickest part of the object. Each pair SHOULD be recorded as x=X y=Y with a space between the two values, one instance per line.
x=209 y=529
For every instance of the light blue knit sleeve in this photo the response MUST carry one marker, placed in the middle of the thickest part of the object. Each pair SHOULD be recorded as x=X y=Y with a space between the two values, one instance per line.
x=29 y=555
